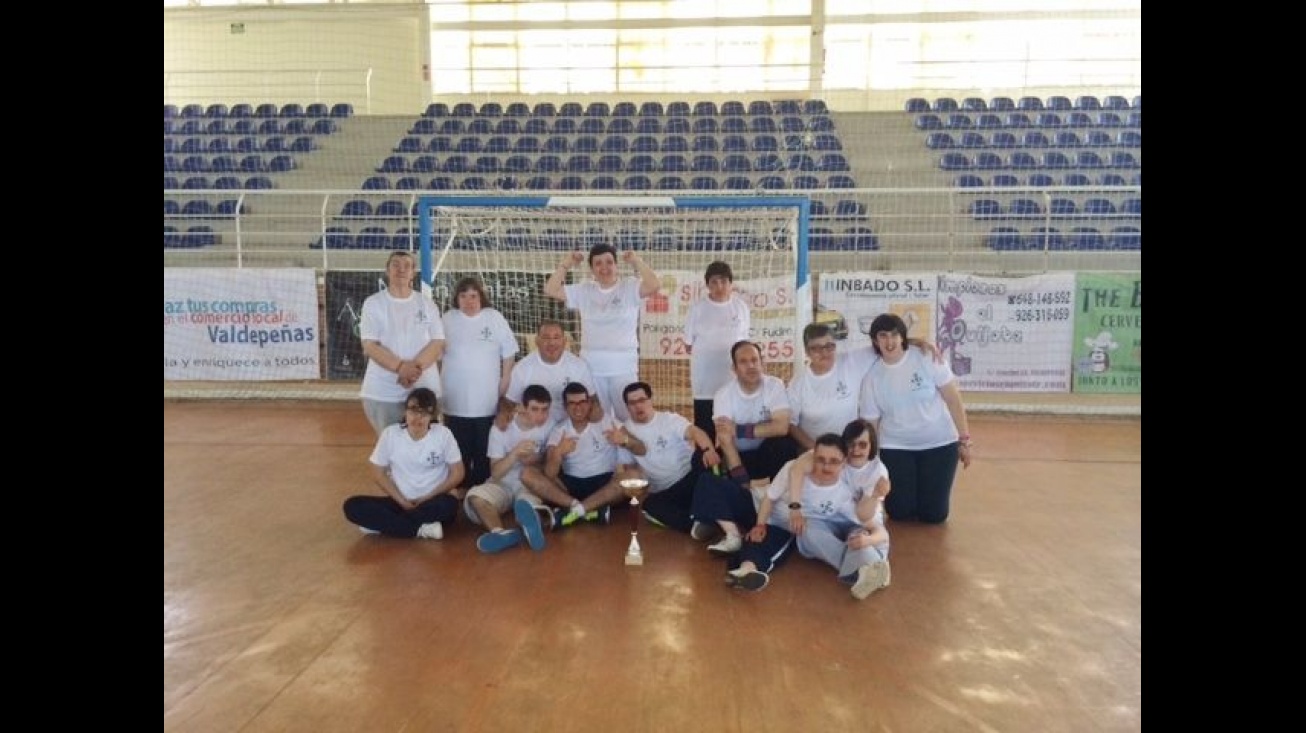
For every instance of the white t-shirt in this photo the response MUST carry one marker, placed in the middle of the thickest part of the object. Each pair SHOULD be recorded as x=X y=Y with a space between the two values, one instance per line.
x=609 y=321
x=749 y=409
x=668 y=452
x=594 y=455
x=834 y=503
x=474 y=350
x=712 y=328
x=502 y=443
x=863 y=479
x=404 y=326
x=826 y=403
x=905 y=398
x=553 y=377
x=417 y=466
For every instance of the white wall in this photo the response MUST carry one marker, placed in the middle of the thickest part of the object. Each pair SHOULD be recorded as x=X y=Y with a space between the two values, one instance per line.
x=369 y=56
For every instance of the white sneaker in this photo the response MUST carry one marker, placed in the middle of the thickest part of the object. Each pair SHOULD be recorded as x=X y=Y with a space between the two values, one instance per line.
x=870 y=578
x=431 y=531
x=704 y=531
x=365 y=530
x=730 y=545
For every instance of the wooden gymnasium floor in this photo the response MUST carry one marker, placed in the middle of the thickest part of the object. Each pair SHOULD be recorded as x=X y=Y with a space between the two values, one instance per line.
x=1022 y=613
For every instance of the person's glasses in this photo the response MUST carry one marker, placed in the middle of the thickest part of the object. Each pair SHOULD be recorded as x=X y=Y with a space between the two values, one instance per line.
x=828 y=461
x=417 y=410
x=822 y=348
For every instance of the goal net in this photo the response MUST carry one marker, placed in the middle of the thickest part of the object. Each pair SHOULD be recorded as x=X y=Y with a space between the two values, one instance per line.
x=514 y=244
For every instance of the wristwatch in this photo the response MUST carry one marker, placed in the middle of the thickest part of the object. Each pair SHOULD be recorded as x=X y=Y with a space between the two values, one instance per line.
x=795 y=505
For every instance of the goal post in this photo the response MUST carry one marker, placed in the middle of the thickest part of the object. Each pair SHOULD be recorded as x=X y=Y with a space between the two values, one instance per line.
x=513 y=243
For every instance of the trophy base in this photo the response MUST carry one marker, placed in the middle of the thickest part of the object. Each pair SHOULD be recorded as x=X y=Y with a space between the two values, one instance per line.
x=634 y=559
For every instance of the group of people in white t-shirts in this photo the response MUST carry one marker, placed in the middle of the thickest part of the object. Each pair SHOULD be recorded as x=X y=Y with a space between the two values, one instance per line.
x=762 y=469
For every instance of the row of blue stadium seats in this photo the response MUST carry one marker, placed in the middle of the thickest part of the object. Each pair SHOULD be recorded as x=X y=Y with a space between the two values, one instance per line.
x=1035 y=139
x=267 y=109
x=202 y=209
x=1058 y=208
x=1021 y=120
x=197 y=236
x=842 y=210
x=301 y=144
x=628 y=109
x=1043 y=180
x=617 y=126
x=1079 y=238
x=1086 y=103
x=613 y=163
x=199 y=183
x=252 y=163
x=1050 y=160
x=250 y=127
x=617 y=143
x=636 y=182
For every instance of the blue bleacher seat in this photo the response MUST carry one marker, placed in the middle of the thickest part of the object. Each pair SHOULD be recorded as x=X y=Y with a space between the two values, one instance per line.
x=648 y=126
x=1085 y=238
x=1062 y=208
x=518 y=164
x=650 y=109
x=585 y=144
x=1001 y=104
x=734 y=125
x=1067 y=139
x=1089 y=159
x=678 y=109
x=1132 y=207
x=1049 y=120
x=228 y=183
x=474 y=183
x=738 y=183
x=394 y=164
x=1076 y=179
x=615 y=144
x=1126 y=238
x=704 y=183
x=1087 y=102
x=984 y=209
x=1035 y=139
x=952 y=162
x=580 y=163
x=1017 y=121
x=610 y=164
x=1004 y=180
x=1108 y=118
x=539 y=183
x=544 y=109
x=673 y=163
x=549 y=164
x=342 y=110
x=1111 y=179
x=254 y=183
x=958 y=121
x=1123 y=159
x=1099 y=207
x=988 y=121
x=968 y=181
x=1024 y=208
x=408 y=183
x=1030 y=104
x=440 y=144
x=1115 y=101
x=1129 y=139
x=1004 y=239
x=928 y=122
x=170 y=182
x=670 y=183
x=705 y=143
x=944 y=105
x=972 y=140
x=441 y=183
x=1039 y=180
x=604 y=183
x=1058 y=103
x=759 y=125
x=840 y=180
x=974 y=104
x=916 y=105
x=1056 y=160
x=1022 y=160
x=1134 y=120
x=1043 y=237
x=571 y=109
x=376 y=183
x=771 y=183
x=705 y=126
x=391 y=209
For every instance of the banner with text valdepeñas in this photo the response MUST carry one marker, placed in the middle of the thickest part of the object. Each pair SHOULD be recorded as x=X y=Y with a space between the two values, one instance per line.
x=233 y=324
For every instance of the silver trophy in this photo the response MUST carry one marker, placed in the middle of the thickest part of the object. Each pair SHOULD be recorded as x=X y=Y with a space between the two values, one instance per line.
x=636 y=489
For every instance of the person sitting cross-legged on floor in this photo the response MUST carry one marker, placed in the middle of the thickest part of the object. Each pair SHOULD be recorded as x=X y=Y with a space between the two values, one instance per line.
x=418 y=466
x=510 y=449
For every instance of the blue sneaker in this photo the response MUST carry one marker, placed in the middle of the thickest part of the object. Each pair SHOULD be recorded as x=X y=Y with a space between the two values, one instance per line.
x=492 y=542
x=530 y=523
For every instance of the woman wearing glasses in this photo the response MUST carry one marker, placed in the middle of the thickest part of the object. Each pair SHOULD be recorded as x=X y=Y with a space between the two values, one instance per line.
x=823 y=397
x=417 y=465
